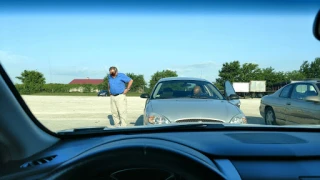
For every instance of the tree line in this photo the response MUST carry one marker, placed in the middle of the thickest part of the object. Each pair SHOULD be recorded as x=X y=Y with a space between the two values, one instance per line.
x=35 y=82
x=235 y=72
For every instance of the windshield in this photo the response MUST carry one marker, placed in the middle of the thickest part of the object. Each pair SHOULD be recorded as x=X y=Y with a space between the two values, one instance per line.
x=186 y=89
x=146 y=65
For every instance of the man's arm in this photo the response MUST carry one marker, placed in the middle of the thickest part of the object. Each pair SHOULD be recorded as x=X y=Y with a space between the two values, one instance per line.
x=128 y=87
x=109 y=88
x=129 y=84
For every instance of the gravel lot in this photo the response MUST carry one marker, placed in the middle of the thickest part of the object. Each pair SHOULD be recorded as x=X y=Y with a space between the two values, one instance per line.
x=65 y=112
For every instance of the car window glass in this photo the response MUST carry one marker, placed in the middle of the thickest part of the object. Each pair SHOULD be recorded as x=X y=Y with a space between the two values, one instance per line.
x=184 y=89
x=285 y=93
x=206 y=90
x=156 y=91
x=215 y=91
x=301 y=91
x=302 y=88
x=312 y=91
x=312 y=88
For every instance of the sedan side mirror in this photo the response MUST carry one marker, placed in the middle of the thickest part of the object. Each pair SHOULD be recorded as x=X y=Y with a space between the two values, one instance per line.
x=233 y=96
x=315 y=99
x=145 y=95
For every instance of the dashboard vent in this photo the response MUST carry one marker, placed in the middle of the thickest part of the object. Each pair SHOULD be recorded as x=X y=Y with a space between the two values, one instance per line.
x=38 y=162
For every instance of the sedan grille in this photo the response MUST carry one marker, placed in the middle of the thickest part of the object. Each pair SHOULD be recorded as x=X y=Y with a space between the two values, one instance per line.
x=199 y=120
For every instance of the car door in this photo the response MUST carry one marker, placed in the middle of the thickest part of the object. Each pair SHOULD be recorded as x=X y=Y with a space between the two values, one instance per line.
x=301 y=111
x=280 y=104
x=229 y=90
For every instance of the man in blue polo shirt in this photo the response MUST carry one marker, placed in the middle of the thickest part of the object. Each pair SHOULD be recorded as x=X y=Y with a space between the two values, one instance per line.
x=118 y=90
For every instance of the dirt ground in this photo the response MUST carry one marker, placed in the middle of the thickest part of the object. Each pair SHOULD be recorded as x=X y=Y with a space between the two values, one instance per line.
x=65 y=112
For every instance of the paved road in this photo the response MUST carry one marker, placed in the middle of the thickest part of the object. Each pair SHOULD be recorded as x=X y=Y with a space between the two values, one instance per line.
x=65 y=112
x=250 y=108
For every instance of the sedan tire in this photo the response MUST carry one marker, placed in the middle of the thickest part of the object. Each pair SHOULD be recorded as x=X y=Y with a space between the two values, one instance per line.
x=270 y=118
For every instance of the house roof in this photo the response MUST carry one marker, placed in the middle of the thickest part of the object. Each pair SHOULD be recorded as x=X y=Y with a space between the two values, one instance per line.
x=87 y=81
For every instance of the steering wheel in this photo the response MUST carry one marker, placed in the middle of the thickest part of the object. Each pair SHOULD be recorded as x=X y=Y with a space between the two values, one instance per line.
x=138 y=159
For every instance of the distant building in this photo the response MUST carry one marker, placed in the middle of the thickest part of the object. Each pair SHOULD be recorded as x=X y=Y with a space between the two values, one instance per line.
x=85 y=81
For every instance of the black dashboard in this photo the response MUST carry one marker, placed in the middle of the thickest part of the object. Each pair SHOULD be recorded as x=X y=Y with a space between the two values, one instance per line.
x=232 y=154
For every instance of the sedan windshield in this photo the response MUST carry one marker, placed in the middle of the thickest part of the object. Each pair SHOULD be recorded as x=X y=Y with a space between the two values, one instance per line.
x=186 y=89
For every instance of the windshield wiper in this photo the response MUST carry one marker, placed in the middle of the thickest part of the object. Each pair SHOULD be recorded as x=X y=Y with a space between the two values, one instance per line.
x=153 y=128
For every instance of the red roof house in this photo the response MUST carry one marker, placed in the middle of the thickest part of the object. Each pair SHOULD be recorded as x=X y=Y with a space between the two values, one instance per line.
x=87 y=81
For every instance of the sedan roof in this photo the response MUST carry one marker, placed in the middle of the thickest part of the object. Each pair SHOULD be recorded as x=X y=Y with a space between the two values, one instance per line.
x=182 y=78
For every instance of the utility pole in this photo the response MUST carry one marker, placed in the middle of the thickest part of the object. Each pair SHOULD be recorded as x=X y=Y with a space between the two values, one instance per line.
x=50 y=71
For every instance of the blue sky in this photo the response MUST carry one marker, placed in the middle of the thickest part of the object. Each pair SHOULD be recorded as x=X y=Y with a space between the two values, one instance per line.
x=68 y=46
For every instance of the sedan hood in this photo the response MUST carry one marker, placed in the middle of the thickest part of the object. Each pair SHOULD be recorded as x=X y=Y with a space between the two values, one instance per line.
x=175 y=109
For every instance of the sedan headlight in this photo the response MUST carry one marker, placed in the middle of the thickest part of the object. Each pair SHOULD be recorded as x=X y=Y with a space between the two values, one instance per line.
x=239 y=119
x=154 y=118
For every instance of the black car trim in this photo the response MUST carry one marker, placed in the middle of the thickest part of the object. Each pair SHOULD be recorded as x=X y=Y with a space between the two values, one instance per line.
x=24 y=106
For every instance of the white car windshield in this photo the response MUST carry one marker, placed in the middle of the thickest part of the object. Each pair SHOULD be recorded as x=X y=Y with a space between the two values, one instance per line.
x=186 y=89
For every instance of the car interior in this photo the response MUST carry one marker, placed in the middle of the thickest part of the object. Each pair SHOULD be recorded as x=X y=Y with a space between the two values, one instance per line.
x=301 y=91
x=30 y=151
x=184 y=91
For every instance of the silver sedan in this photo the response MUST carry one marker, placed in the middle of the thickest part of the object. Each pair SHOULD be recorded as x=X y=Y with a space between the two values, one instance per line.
x=191 y=100
x=295 y=103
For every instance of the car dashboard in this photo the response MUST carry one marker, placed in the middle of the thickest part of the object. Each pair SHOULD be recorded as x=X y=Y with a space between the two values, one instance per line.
x=232 y=154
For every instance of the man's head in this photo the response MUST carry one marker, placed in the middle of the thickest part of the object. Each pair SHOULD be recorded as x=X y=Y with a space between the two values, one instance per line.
x=196 y=90
x=113 y=71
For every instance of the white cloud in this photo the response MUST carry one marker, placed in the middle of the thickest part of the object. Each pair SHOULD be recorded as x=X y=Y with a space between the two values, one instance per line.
x=77 y=72
x=207 y=64
x=195 y=67
x=207 y=70
x=8 y=57
x=14 y=64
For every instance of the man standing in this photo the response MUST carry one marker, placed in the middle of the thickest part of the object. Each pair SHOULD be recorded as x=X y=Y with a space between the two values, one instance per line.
x=117 y=90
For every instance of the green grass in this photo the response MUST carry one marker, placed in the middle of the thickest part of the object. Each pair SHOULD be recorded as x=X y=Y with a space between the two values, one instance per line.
x=78 y=94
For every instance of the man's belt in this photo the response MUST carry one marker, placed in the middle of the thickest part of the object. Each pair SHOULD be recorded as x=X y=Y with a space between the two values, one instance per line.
x=115 y=94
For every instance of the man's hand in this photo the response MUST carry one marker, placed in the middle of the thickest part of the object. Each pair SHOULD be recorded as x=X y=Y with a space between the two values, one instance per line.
x=125 y=91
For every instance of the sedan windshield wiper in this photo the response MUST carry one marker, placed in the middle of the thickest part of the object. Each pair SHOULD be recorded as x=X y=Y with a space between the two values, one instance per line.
x=153 y=128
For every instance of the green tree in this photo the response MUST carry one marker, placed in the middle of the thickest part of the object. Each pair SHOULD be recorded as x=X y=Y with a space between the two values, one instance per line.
x=104 y=84
x=87 y=88
x=219 y=84
x=138 y=82
x=229 y=71
x=311 y=70
x=294 y=75
x=161 y=74
x=33 y=81
x=273 y=77
x=249 y=72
